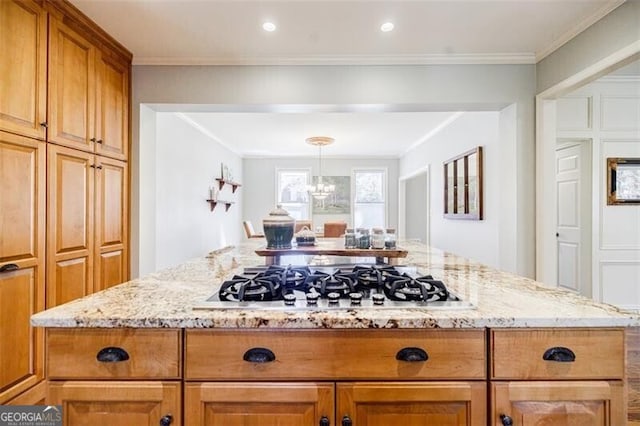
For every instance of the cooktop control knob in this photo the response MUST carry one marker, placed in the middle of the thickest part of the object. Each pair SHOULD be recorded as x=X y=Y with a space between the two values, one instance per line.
x=312 y=298
x=333 y=297
x=289 y=299
x=378 y=299
x=356 y=298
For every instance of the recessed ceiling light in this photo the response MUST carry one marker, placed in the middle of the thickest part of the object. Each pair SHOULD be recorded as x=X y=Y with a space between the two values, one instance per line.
x=269 y=26
x=386 y=27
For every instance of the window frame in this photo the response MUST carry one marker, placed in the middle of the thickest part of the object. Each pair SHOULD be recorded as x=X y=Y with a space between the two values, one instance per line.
x=280 y=170
x=385 y=191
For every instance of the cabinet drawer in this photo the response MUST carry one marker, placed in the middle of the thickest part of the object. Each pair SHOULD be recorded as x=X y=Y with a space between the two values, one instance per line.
x=99 y=353
x=335 y=354
x=519 y=354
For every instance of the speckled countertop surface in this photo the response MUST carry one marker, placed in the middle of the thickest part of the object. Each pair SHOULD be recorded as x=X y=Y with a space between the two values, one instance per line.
x=166 y=299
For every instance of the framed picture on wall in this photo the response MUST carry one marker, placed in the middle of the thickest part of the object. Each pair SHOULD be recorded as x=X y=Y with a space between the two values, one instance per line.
x=463 y=186
x=623 y=181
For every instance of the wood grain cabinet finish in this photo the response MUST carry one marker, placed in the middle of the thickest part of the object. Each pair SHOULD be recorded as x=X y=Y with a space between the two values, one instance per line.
x=263 y=404
x=88 y=95
x=413 y=403
x=558 y=377
x=114 y=354
x=23 y=68
x=335 y=354
x=87 y=403
x=22 y=208
x=87 y=229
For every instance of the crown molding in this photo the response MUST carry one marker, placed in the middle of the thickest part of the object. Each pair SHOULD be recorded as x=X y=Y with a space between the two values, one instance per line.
x=429 y=59
x=619 y=79
x=206 y=132
x=607 y=8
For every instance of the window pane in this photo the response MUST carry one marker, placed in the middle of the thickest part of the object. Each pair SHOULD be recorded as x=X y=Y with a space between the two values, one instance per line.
x=460 y=186
x=292 y=187
x=369 y=215
x=369 y=186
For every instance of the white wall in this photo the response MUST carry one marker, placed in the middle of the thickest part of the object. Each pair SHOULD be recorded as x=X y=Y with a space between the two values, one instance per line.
x=260 y=182
x=416 y=202
x=608 y=112
x=475 y=239
x=397 y=88
x=186 y=164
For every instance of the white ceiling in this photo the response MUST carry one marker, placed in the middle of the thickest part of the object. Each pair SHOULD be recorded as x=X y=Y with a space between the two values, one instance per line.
x=356 y=134
x=337 y=32
x=333 y=31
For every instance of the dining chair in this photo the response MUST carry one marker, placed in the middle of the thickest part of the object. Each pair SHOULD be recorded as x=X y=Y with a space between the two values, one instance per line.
x=248 y=229
x=334 y=229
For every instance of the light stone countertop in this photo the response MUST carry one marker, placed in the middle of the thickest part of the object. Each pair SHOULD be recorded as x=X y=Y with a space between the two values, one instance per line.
x=165 y=300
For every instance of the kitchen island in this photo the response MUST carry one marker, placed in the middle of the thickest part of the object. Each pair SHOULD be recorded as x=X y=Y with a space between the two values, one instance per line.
x=142 y=342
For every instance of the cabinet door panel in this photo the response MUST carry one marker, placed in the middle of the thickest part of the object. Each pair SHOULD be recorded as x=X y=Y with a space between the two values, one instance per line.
x=22 y=208
x=23 y=43
x=70 y=221
x=560 y=403
x=71 y=88
x=413 y=404
x=111 y=236
x=258 y=404
x=116 y=403
x=112 y=114
x=21 y=345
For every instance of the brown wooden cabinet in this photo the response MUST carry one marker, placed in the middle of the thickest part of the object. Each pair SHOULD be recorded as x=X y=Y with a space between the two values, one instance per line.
x=22 y=209
x=558 y=376
x=117 y=403
x=264 y=404
x=88 y=95
x=86 y=224
x=23 y=67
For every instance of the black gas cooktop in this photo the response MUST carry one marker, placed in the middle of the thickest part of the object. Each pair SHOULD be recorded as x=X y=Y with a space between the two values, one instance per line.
x=332 y=287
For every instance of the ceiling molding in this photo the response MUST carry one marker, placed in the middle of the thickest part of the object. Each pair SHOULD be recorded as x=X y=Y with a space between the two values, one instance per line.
x=607 y=8
x=619 y=79
x=206 y=132
x=432 y=59
x=324 y=157
x=433 y=132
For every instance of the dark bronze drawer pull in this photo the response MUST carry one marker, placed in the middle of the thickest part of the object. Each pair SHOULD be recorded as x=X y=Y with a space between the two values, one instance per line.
x=9 y=267
x=346 y=421
x=324 y=421
x=559 y=354
x=506 y=420
x=259 y=355
x=412 y=355
x=112 y=354
x=166 y=420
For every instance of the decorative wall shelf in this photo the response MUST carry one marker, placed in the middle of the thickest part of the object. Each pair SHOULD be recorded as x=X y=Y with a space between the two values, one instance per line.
x=234 y=185
x=214 y=203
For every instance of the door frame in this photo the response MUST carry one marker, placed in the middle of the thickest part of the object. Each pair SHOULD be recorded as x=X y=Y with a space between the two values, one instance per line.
x=545 y=129
x=402 y=202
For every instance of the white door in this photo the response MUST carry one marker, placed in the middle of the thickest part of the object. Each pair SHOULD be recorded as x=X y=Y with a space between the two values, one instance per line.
x=573 y=219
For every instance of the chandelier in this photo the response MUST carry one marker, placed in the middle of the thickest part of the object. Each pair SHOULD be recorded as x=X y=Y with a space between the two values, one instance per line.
x=320 y=190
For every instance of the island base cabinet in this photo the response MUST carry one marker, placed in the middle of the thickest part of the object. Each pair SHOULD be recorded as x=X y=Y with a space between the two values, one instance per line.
x=412 y=404
x=117 y=403
x=259 y=404
x=587 y=403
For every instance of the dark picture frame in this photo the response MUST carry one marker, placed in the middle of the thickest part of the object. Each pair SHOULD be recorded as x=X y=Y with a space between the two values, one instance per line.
x=623 y=181
x=463 y=186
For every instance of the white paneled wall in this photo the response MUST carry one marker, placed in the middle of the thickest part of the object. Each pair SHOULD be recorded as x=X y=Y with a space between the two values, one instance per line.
x=608 y=113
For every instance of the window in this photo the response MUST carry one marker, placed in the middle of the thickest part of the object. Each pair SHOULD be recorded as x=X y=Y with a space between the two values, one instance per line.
x=370 y=189
x=292 y=192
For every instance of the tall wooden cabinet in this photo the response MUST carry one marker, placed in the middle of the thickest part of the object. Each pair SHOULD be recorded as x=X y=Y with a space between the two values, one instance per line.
x=22 y=266
x=23 y=68
x=64 y=136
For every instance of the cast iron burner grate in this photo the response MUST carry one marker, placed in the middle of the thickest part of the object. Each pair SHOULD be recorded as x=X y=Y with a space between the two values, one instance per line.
x=406 y=288
x=323 y=283
x=250 y=288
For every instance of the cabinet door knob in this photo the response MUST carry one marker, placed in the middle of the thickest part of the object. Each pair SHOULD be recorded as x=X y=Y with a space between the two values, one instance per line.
x=324 y=421
x=259 y=355
x=346 y=421
x=166 y=420
x=412 y=355
x=93 y=166
x=92 y=139
x=99 y=141
x=99 y=167
x=44 y=124
x=506 y=420
x=112 y=354
x=559 y=354
x=9 y=267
